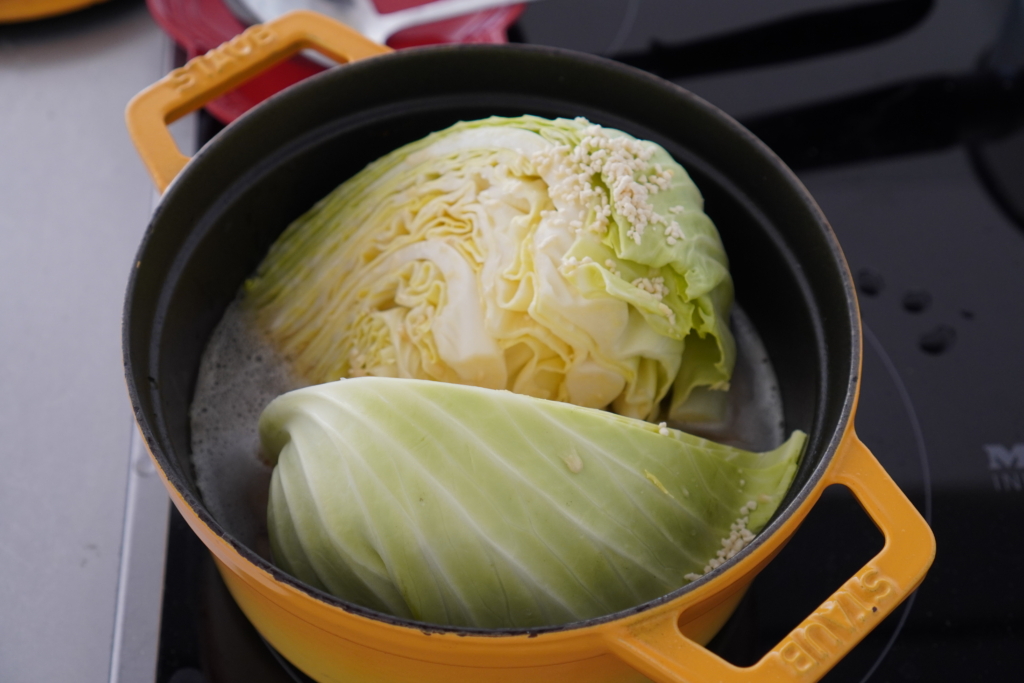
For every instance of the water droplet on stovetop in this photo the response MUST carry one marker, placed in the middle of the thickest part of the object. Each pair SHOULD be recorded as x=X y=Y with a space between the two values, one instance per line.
x=870 y=281
x=938 y=340
x=967 y=314
x=916 y=300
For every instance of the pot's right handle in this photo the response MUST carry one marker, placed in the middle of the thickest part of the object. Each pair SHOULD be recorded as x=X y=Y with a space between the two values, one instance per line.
x=211 y=75
x=660 y=651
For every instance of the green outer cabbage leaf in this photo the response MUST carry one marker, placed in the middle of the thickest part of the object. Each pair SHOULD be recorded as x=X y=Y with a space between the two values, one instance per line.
x=453 y=259
x=472 y=507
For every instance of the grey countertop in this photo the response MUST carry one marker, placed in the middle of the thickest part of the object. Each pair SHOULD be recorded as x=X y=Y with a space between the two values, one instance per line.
x=74 y=201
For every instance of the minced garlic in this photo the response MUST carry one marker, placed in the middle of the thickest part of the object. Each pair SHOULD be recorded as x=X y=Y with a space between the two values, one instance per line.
x=738 y=539
x=655 y=286
x=623 y=166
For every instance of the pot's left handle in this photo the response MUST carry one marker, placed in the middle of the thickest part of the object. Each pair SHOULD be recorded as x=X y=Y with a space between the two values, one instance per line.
x=211 y=75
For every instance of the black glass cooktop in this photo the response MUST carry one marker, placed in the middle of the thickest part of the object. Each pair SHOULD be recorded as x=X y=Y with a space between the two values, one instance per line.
x=905 y=119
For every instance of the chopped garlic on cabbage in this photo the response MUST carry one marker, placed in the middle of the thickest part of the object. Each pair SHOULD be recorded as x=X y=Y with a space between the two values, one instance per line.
x=556 y=259
x=471 y=507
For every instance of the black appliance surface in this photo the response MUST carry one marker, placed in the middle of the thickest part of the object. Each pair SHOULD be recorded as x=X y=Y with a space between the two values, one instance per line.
x=905 y=119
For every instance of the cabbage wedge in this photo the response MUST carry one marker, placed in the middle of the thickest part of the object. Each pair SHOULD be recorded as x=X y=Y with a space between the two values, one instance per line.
x=463 y=506
x=556 y=259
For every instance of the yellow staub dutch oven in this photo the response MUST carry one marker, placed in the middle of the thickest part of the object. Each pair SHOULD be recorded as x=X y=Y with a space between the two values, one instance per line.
x=223 y=208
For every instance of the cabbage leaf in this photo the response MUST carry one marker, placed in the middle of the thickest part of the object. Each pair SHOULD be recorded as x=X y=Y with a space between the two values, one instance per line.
x=464 y=506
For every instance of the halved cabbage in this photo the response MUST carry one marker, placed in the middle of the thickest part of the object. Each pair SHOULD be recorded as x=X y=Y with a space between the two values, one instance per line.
x=556 y=259
x=473 y=507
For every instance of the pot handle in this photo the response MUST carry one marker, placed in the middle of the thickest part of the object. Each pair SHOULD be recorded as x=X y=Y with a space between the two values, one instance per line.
x=209 y=76
x=658 y=649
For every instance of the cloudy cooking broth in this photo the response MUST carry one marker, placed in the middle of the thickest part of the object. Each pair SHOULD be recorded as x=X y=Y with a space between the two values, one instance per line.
x=240 y=373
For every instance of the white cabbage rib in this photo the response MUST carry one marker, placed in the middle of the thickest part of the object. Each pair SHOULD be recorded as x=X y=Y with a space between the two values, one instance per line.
x=476 y=256
x=472 y=507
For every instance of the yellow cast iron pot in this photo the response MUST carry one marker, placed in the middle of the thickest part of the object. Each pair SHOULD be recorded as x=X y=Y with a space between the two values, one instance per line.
x=223 y=208
x=12 y=11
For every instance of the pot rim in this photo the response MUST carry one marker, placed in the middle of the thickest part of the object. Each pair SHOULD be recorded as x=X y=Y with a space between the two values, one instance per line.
x=805 y=497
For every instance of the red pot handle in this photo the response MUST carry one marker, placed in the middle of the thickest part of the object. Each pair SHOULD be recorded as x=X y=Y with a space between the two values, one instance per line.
x=210 y=75
x=659 y=650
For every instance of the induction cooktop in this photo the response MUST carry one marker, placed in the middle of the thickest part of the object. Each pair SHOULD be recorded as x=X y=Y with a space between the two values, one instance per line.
x=905 y=119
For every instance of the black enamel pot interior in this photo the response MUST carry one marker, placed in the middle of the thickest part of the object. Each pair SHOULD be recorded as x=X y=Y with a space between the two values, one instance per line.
x=217 y=220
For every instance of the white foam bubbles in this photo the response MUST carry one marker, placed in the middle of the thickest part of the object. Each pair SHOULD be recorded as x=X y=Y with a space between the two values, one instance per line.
x=239 y=374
